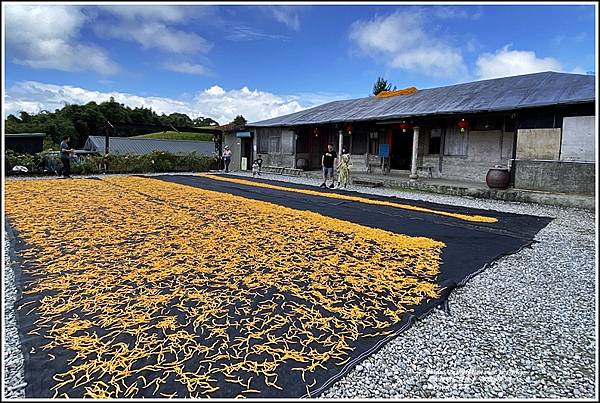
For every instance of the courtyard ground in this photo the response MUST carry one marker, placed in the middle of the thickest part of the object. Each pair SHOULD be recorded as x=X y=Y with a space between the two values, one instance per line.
x=524 y=327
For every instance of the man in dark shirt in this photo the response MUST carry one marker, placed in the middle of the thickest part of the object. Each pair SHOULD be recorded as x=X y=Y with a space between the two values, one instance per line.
x=65 y=157
x=328 y=161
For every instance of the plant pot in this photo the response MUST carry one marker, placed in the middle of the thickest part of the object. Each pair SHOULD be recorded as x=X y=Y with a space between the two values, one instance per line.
x=498 y=178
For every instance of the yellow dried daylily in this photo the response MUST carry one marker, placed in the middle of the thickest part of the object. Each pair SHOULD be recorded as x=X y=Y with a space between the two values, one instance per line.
x=466 y=217
x=179 y=271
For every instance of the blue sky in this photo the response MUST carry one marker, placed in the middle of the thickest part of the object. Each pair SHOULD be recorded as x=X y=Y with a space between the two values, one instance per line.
x=264 y=61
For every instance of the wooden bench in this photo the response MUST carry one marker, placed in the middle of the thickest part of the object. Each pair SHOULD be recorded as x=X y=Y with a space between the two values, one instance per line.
x=292 y=172
x=373 y=183
x=373 y=161
x=272 y=170
x=281 y=171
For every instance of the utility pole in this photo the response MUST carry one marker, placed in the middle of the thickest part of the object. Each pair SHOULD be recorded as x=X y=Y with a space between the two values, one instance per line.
x=106 y=138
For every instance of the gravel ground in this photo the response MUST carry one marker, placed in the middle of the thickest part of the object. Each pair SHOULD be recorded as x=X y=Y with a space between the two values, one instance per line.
x=523 y=328
x=13 y=358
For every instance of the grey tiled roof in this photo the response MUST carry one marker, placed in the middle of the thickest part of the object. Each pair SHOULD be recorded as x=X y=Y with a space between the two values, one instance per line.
x=507 y=93
x=133 y=146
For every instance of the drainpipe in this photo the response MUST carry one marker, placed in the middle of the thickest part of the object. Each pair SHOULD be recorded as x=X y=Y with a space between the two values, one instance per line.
x=413 y=165
x=514 y=151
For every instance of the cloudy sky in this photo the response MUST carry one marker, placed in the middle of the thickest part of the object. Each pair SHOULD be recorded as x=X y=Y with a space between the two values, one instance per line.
x=219 y=61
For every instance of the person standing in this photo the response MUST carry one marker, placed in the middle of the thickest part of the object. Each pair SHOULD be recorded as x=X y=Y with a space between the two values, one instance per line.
x=344 y=169
x=328 y=161
x=65 y=157
x=257 y=166
x=226 y=158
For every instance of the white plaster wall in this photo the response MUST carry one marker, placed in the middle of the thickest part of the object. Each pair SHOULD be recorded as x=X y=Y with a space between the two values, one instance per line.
x=538 y=144
x=485 y=146
x=578 y=139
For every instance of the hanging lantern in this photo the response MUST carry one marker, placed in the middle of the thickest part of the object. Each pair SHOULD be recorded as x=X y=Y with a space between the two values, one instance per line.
x=462 y=125
x=405 y=126
x=349 y=129
x=316 y=131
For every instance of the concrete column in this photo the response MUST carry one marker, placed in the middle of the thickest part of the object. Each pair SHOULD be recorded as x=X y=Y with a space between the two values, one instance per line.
x=341 y=141
x=413 y=165
x=294 y=141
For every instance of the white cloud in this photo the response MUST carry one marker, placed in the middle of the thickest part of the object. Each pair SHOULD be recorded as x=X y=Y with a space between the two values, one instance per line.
x=155 y=35
x=287 y=15
x=245 y=33
x=454 y=13
x=224 y=106
x=215 y=102
x=154 y=27
x=185 y=67
x=149 y=12
x=506 y=62
x=51 y=97
x=401 y=40
x=46 y=37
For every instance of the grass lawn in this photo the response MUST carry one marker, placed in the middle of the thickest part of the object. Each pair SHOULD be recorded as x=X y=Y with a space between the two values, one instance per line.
x=173 y=135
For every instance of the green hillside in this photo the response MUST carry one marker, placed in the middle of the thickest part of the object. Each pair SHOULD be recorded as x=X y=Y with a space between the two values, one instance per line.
x=172 y=135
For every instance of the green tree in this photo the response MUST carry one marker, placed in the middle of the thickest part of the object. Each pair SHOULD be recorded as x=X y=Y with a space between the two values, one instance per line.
x=240 y=121
x=202 y=121
x=80 y=121
x=381 y=85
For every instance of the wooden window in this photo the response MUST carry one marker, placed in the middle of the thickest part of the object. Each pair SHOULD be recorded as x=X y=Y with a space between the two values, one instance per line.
x=455 y=142
x=481 y=124
x=302 y=141
x=435 y=136
x=263 y=143
x=275 y=145
x=374 y=143
x=359 y=143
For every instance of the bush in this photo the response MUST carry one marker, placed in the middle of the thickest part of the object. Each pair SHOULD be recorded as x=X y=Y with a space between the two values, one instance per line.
x=33 y=162
x=156 y=161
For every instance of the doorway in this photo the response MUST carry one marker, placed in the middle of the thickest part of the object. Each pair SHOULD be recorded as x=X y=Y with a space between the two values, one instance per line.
x=401 y=149
x=246 y=152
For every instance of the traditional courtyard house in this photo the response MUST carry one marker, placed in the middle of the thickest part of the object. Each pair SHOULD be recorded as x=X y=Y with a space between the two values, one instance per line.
x=540 y=125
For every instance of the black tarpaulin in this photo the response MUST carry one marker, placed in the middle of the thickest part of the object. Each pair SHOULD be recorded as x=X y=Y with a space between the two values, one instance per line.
x=470 y=247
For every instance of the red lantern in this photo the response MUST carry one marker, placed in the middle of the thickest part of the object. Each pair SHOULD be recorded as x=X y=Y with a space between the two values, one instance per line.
x=462 y=125
x=404 y=126
x=316 y=131
x=349 y=128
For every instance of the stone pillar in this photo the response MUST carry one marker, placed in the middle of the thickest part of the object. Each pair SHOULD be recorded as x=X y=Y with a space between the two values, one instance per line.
x=341 y=141
x=413 y=164
x=294 y=141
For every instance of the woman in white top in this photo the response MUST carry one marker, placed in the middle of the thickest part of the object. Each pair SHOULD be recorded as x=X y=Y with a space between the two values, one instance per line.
x=227 y=158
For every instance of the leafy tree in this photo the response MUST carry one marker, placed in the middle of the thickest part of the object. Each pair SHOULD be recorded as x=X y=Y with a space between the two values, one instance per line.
x=381 y=85
x=240 y=121
x=202 y=121
x=80 y=121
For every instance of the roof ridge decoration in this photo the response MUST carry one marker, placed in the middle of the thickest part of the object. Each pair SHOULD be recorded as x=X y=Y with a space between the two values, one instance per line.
x=404 y=91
